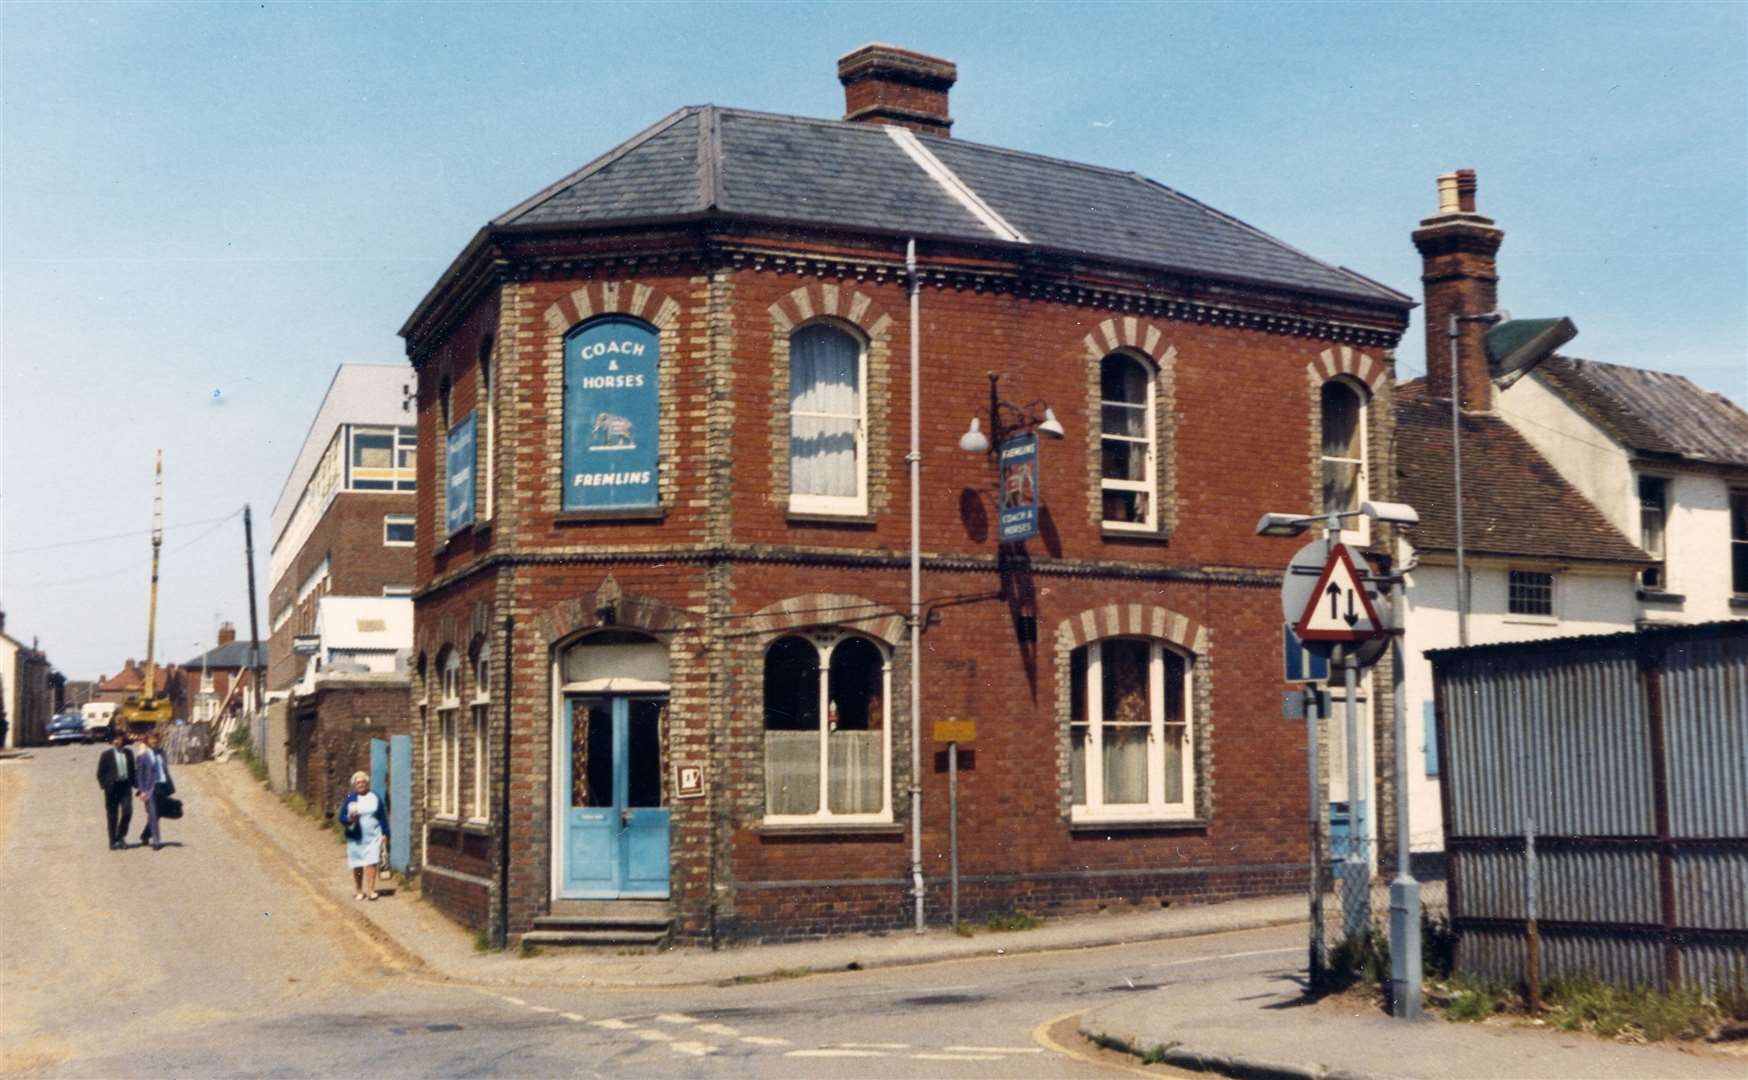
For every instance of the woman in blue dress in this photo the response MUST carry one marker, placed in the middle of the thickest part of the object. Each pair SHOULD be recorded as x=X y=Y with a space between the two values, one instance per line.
x=365 y=818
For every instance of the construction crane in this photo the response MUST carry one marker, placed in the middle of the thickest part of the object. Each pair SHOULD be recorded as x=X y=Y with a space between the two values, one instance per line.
x=146 y=709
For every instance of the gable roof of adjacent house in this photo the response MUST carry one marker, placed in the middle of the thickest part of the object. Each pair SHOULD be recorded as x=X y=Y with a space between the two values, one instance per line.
x=232 y=654
x=1514 y=502
x=705 y=161
x=1652 y=412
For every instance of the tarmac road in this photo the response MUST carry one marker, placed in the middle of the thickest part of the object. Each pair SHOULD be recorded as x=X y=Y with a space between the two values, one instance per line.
x=211 y=958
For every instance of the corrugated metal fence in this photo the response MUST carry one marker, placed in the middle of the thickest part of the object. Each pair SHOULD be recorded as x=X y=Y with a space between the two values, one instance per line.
x=1625 y=757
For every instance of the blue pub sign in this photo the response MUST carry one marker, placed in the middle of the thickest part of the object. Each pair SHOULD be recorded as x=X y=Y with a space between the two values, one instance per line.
x=458 y=500
x=611 y=415
x=1019 y=488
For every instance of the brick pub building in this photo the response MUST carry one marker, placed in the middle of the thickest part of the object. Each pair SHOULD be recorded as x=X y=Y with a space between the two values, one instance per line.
x=661 y=638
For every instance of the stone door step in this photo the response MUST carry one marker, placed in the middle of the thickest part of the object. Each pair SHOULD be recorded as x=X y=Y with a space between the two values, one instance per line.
x=620 y=936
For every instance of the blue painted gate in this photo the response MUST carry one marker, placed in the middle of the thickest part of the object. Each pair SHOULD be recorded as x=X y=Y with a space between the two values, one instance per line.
x=391 y=776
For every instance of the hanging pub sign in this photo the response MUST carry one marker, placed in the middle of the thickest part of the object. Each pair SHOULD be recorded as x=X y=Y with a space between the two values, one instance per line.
x=611 y=415
x=458 y=503
x=1019 y=488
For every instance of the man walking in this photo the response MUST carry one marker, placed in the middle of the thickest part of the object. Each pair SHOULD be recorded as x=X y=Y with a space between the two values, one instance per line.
x=149 y=772
x=115 y=775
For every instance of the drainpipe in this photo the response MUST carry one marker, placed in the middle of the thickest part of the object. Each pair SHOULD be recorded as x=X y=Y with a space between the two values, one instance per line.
x=503 y=934
x=915 y=458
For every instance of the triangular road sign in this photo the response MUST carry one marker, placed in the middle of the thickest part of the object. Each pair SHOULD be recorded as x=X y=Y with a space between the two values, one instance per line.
x=1340 y=608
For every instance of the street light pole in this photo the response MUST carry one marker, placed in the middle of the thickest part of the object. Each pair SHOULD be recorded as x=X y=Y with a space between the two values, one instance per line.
x=1457 y=480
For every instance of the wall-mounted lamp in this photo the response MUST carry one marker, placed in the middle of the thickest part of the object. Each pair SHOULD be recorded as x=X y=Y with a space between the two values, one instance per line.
x=1007 y=419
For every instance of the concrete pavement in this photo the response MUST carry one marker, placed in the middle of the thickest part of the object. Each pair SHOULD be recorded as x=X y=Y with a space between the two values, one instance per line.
x=1262 y=1026
x=425 y=939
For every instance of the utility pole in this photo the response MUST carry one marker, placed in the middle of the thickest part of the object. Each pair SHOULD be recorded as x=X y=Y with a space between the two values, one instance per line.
x=254 y=626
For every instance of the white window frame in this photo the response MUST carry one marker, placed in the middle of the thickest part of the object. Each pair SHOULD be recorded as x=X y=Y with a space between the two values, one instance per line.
x=397 y=592
x=1553 y=615
x=825 y=643
x=1358 y=528
x=402 y=441
x=1155 y=808
x=449 y=739
x=1737 y=496
x=399 y=519
x=1661 y=555
x=842 y=505
x=1149 y=485
x=480 y=715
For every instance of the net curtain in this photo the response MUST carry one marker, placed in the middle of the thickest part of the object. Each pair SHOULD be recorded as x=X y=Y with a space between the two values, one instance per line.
x=825 y=409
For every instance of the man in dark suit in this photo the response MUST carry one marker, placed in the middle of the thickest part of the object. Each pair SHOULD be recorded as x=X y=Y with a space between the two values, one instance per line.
x=115 y=775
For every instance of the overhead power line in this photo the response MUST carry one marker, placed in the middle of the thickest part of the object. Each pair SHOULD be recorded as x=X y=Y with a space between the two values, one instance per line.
x=118 y=536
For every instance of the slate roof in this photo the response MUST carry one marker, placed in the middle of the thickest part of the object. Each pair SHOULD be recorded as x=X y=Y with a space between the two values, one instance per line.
x=1652 y=412
x=234 y=654
x=705 y=159
x=1514 y=502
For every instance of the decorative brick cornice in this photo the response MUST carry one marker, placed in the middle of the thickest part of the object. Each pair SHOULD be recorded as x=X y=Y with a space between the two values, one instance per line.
x=1135 y=620
x=830 y=609
x=759 y=554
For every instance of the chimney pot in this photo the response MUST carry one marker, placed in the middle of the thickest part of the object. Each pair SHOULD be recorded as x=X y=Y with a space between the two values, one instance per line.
x=1447 y=193
x=1466 y=185
x=884 y=84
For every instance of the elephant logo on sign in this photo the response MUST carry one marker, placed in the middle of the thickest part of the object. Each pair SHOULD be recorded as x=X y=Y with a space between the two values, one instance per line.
x=611 y=433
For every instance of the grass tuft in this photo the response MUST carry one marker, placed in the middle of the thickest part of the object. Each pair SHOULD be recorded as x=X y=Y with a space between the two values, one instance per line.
x=1016 y=921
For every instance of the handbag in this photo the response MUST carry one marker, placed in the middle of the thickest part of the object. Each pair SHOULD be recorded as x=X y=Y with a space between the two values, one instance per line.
x=168 y=806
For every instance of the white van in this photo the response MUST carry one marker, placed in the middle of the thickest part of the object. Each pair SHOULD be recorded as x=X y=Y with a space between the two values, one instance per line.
x=99 y=716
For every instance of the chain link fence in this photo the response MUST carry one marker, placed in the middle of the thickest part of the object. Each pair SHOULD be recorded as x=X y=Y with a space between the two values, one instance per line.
x=1353 y=905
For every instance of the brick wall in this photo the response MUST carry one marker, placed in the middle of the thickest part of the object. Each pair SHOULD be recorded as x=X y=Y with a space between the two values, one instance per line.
x=717 y=575
x=350 y=536
x=337 y=743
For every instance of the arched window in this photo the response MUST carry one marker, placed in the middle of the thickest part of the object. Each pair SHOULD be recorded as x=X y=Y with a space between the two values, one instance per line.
x=448 y=764
x=1126 y=435
x=1343 y=414
x=828 y=452
x=830 y=735
x=1131 y=734
x=480 y=714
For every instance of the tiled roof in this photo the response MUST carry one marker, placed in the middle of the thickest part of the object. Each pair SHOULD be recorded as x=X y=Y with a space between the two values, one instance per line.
x=1652 y=412
x=831 y=173
x=234 y=654
x=1514 y=502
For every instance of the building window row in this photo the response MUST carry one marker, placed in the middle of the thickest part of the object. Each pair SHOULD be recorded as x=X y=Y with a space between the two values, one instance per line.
x=382 y=458
x=458 y=751
x=828 y=725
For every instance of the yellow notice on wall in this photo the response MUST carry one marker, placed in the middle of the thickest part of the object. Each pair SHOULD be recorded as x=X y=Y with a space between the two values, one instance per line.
x=959 y=731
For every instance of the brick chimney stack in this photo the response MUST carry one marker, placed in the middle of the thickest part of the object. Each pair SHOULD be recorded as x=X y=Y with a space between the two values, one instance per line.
x=227 y=633
x=884 y=84
x=1457 y=249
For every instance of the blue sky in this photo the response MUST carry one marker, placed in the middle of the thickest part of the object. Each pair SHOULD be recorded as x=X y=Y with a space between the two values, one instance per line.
x=205 y=207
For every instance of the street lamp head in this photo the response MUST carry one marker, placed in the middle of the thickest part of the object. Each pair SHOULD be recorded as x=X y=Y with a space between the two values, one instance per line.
x=1050 y=425
x=1516 y=346
x=1283 y=524
x=974 y=441
x=1389 y=513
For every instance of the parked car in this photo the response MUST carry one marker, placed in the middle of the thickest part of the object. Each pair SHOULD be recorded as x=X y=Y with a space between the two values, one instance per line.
x=67 y=727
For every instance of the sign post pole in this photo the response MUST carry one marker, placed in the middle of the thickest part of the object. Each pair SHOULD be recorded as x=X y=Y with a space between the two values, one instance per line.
x=953 y=825
x=1319 y=952
x=1356 y=898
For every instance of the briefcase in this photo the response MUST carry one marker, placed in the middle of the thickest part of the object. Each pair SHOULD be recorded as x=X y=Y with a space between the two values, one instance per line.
x=168 y=806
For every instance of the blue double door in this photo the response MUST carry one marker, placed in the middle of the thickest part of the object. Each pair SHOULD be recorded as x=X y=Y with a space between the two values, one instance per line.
x=616 y=819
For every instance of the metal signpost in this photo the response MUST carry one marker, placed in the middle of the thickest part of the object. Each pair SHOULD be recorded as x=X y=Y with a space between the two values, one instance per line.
x=954 y=732
x=1325 y=594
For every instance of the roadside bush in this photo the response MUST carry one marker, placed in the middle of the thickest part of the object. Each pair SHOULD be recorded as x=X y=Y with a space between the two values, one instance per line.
x=1584 y=1002
x=1438 y=946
